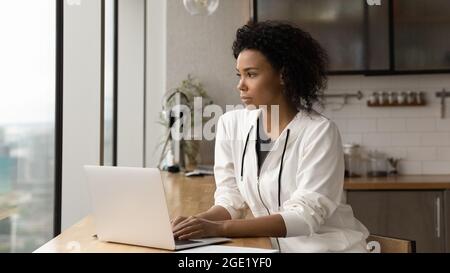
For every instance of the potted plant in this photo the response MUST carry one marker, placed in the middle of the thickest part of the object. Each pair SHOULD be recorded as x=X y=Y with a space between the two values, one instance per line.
x=189 y=89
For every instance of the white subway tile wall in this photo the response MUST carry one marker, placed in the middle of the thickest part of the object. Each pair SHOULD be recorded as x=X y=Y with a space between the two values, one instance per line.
x=421 y=125
x=443 y=154
x=351 y=138
x=405 y=139
x=391 y=125
x=443 y=125
x=361 y=125
x=377 y=139
x=417 y=135
x=434 y=167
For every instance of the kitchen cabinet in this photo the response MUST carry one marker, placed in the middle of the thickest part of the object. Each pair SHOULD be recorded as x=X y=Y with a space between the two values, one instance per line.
x=355 y=37
x=419 y=215
x=396 y=37
x=422 y=36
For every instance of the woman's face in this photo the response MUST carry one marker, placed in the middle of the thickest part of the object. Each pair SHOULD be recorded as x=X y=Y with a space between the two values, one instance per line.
x=259 y=83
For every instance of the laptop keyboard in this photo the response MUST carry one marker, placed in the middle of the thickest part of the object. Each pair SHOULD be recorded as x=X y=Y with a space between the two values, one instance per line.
x=184 y=242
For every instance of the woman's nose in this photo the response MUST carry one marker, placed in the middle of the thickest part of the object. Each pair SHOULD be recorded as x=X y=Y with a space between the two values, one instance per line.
x=241 y=86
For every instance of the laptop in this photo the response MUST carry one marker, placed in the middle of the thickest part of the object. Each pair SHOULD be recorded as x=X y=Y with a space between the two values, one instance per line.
x=129 y=207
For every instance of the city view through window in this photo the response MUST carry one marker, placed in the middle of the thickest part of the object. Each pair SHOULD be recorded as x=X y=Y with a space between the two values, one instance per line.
x=27 y=123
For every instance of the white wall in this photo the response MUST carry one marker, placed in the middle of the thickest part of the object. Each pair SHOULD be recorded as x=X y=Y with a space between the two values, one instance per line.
x=416 y=134
x=81 y=105
x=201 y=45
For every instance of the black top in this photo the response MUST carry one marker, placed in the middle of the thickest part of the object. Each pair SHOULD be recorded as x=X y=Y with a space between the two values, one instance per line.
x=263 y=144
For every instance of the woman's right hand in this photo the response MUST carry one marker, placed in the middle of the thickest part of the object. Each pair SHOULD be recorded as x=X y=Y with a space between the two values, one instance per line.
x=215 y=213
x=177 y=221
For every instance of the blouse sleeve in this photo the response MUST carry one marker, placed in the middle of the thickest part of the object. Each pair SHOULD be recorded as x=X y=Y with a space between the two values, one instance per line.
x=319 y=180
x=227 y=193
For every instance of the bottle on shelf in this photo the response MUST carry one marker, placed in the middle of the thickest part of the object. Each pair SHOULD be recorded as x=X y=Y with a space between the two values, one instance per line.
x=373 y=99
x=401 y=98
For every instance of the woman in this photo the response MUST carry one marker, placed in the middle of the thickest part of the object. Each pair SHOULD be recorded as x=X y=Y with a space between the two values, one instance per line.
x=290 y=178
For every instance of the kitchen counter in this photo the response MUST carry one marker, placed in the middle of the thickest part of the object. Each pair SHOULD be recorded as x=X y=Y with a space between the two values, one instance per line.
x=184 y=196
x=401 y=182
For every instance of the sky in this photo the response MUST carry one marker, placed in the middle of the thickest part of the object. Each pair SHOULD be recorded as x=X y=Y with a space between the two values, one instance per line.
x=27 y=61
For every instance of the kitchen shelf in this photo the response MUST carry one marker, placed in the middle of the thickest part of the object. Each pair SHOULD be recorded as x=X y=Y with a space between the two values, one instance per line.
x=395 y=104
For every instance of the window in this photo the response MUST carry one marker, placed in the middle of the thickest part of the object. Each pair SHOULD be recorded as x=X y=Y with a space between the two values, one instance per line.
x=27 y=123
x=109 y=83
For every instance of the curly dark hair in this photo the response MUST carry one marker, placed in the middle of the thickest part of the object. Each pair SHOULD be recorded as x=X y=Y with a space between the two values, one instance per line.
x=291 y=51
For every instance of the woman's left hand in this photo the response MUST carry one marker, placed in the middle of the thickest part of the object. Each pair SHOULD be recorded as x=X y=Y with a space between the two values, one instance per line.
x=195 y=228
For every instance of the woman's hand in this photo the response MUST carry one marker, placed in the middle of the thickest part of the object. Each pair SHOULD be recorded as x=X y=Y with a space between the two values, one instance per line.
x=195 y=228
x=177 y=221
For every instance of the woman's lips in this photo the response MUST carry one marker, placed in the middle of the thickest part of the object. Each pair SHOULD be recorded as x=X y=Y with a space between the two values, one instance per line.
x=246 y=99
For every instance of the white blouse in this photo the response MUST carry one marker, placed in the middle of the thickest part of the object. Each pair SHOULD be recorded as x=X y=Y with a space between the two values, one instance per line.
x=309 y=192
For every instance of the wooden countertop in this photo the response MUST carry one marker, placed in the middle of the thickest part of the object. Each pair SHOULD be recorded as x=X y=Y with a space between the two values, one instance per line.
x=401 y=182
x=185 y=196
x=188 y=196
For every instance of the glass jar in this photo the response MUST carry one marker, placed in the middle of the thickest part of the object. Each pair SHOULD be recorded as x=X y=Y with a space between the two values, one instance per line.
x=373 y=98
x=382 y=98
x=412 y=97
x=392 y=98
x=352 y=158
x=401 y=99
x=420 y=98
x=378 y=164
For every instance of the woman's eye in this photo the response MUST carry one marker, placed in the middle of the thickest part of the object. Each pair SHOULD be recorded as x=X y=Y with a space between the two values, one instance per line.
x=250 y=75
